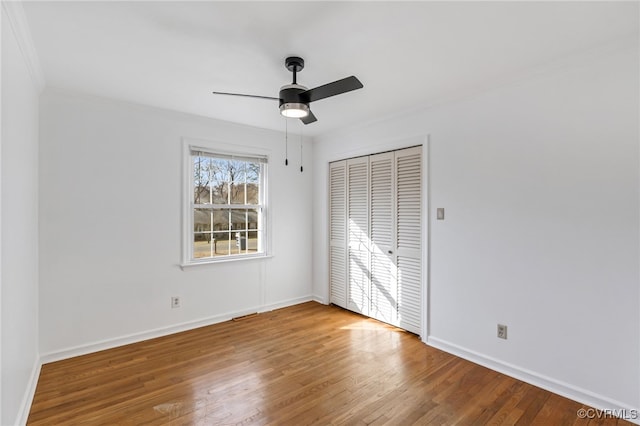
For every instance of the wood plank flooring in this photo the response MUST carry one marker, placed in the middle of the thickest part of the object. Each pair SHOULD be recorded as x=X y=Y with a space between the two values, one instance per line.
x=305 y=364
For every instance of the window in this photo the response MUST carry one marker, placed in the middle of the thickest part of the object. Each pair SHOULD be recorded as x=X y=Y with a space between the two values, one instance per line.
x=226 y=217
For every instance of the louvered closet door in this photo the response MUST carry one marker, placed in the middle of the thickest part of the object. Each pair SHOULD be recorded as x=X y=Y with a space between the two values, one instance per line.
x=408 y=164
x=358 y=291
x=384 y=290
x=338 y=233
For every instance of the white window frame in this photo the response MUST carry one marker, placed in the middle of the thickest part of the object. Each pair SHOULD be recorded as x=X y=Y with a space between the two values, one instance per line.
x=218 y=149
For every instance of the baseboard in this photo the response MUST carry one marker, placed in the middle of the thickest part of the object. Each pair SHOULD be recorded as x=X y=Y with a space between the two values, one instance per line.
x=319 y=300
x=163 y=331
x=285 y=303
x=605 y=405
x=29 y=393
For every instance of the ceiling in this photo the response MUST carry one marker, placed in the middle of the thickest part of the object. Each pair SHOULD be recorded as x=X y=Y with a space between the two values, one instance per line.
x=407 y=54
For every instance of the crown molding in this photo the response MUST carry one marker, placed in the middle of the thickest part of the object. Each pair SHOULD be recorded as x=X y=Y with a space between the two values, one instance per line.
x=20 y=27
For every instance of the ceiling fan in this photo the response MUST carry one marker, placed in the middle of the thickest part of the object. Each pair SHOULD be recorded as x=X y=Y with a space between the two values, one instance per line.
x=295 y=99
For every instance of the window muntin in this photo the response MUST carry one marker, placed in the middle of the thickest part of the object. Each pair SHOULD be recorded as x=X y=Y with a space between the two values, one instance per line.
x=227 y=206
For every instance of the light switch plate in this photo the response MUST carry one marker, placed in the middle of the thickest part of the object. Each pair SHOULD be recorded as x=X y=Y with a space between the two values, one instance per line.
x=440 y=213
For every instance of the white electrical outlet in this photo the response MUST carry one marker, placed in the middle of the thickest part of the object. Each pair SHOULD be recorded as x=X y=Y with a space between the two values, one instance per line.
x=175 y=302
x=502 y=331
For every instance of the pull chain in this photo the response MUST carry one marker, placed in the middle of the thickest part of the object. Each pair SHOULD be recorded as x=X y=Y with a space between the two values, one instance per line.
x=286 y=142
x=301 y=128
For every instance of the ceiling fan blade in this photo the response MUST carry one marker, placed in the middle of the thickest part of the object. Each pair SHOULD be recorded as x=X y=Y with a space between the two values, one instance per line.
x=309 y=118
x=331 y=89
x=246 y=96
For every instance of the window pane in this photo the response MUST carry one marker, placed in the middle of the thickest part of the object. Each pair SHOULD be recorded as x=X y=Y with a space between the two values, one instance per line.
x=220 y=191
x=221 y=220
x=253 y=193
x=252 y=219
x=253 y=241
x=219 y=169
x=200 y=195
x=253 y=173
x=221 y=243
x=201 y=179
x=238 y=220
x=237 y=192
x=237 y=170
x=202 y=220
x=202 y=247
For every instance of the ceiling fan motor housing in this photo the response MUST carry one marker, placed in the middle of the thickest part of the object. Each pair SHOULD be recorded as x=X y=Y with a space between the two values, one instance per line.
x=290 y=94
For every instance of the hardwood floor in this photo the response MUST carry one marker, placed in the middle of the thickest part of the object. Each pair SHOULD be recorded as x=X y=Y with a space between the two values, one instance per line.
x=306 y=364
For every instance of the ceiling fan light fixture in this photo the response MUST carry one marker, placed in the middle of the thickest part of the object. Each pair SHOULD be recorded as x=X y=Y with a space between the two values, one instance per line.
x=294 y=110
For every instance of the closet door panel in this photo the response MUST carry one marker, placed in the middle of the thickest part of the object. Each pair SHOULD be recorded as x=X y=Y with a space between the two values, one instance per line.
x=408 y=164
x=358 y=294
x=384 y=293
x=338 y=233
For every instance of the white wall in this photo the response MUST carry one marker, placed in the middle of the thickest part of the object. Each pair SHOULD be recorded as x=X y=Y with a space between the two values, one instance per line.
x=19 y=225
x=540 y=182
x=110 y=234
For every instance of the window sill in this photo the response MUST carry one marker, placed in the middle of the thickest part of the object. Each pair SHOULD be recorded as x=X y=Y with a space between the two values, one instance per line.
x=209 y=262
